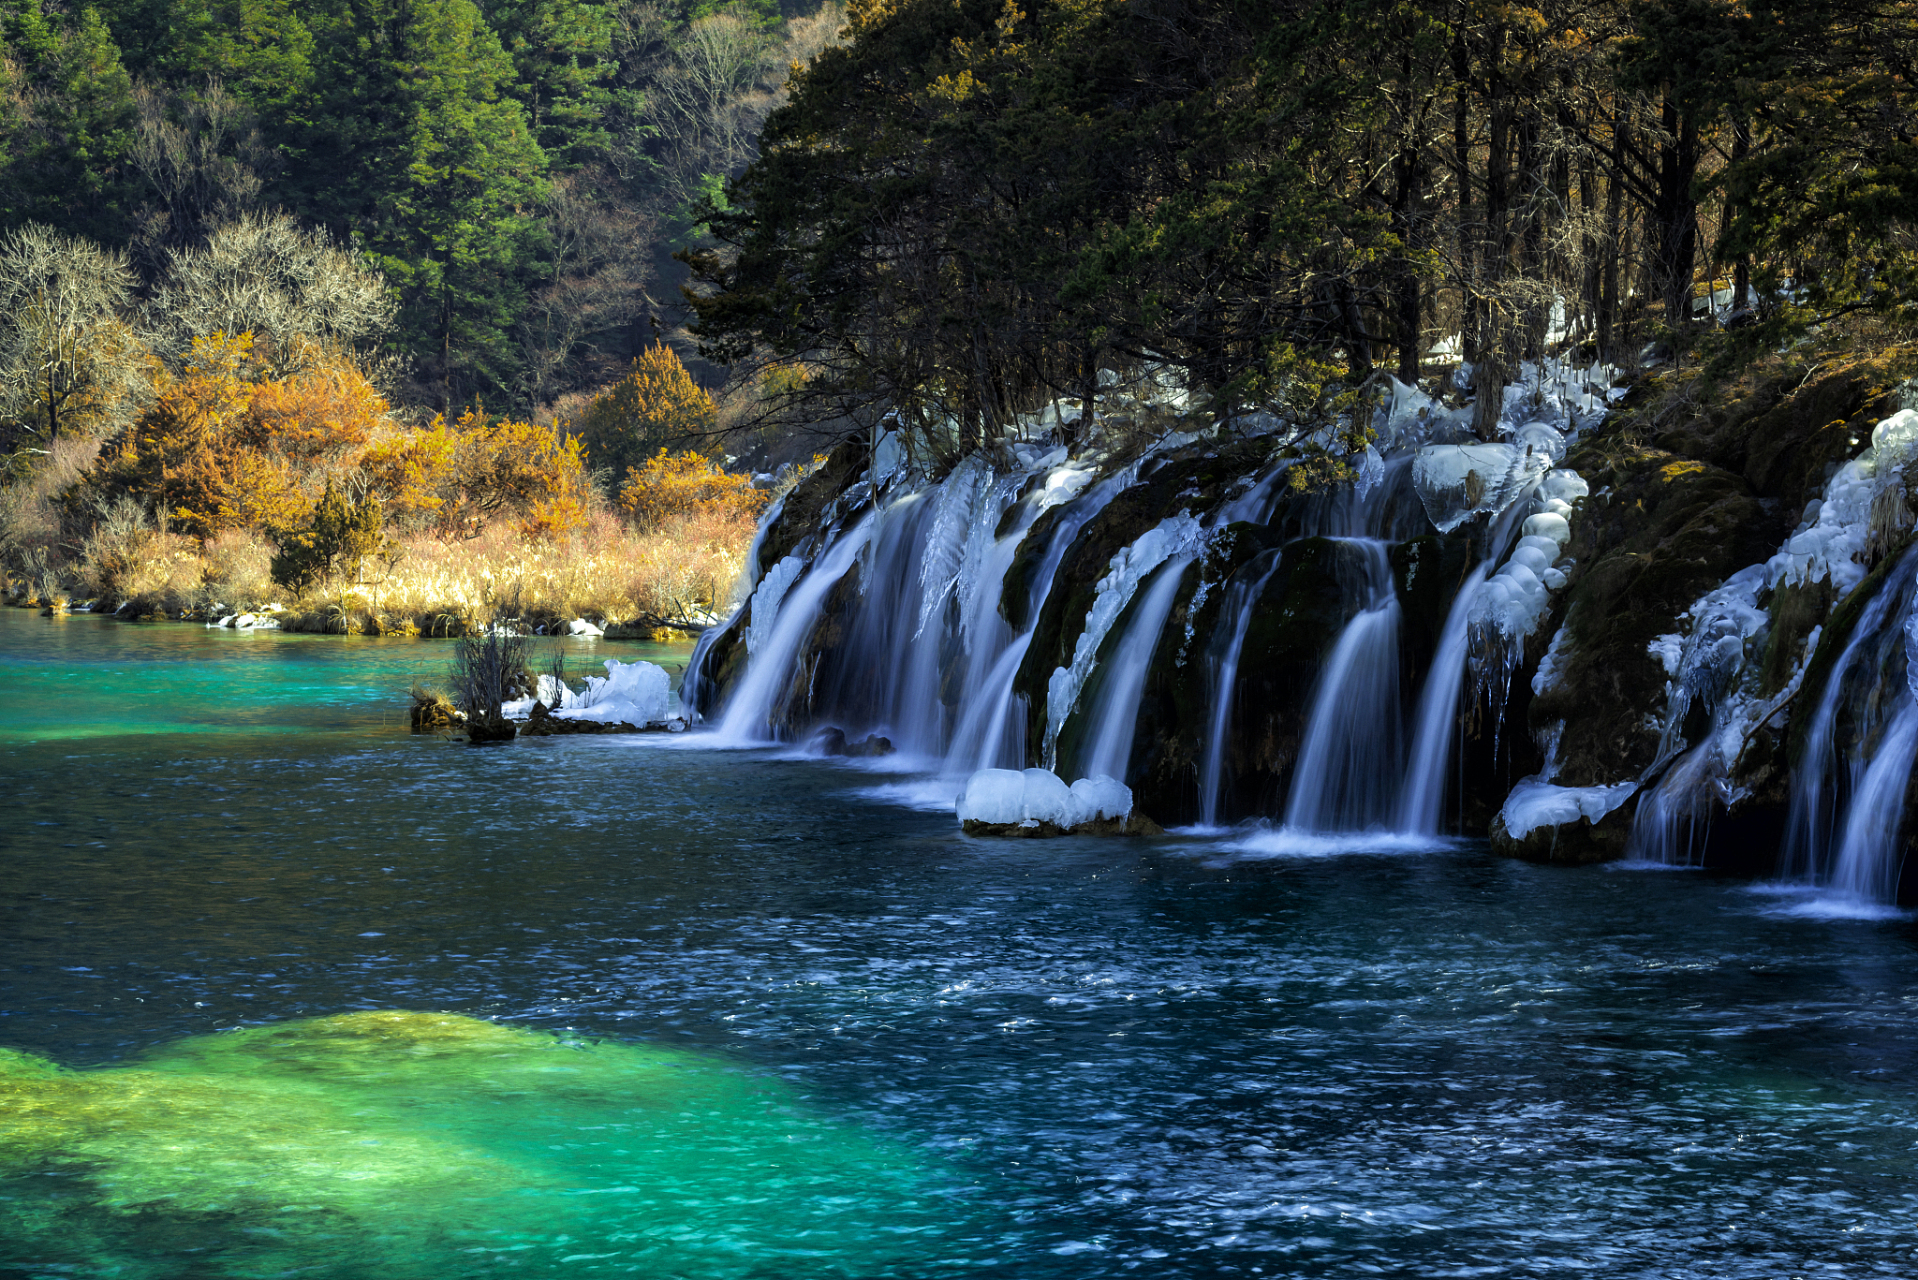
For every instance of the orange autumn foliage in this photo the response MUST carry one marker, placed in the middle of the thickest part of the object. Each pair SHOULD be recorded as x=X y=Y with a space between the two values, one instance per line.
x=454 y=478
x=677 y=485
x=218 y=451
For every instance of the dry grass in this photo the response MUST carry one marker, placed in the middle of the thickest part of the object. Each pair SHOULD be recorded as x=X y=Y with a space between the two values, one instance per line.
x=677 y=576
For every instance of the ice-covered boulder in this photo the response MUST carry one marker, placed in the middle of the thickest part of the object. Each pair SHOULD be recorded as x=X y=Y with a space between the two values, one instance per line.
x=1458 y=481
x=632 y=693
x=1037 y=802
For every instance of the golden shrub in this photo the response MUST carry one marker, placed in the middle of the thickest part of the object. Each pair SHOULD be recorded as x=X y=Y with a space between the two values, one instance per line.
x=657 y=405
x=677 y=485
x=217 y=450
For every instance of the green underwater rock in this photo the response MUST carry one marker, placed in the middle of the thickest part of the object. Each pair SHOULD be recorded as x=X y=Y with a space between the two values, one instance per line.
x=398 y=1145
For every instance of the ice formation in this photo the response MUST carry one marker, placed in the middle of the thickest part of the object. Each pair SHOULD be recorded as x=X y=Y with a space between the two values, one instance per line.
x=1831 y=543
x=1013 y=797
x=636 y=693
x=766 y=601
x=1536 y=803
x=1178 y=535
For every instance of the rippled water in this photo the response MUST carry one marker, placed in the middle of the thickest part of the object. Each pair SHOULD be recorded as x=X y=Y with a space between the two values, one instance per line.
x=1196 y=1057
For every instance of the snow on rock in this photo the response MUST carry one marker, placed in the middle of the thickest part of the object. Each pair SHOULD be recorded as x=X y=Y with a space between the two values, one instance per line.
x=581 y=627
x=1535 y=803
x=1037 y=797
x=1456 y=482
x=635 y=693
x=1107 y=797
x=993 y=795
x=1517 y=598
x=1177 y=535
x=1832 y=540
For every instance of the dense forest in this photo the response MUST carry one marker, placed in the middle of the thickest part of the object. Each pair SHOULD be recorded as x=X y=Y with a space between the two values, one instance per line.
x=516 y=172
x=970 y=208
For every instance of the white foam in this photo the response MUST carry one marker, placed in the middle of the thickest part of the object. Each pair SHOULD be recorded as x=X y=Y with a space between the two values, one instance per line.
x=1290 y=842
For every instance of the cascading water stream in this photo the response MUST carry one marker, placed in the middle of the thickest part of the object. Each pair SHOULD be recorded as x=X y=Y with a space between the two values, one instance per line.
x=1672 y=818
x=1869 y=858
x=989 y=736
x=1422 y=799
x=1349 y=762
x=751 y=710
x=1241 y=598
x=1821 y=809
x=1108 y=745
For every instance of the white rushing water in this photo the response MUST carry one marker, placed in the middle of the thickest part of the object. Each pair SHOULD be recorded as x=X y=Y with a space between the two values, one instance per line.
x=1421 y=808
x=1115 y=715
x=1222 y=670
x=754 y=703
x=1350 y=759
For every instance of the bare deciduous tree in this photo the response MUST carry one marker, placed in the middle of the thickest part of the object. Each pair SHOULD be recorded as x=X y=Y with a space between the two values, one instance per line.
x=69 y=361
x=264 y=274
x=203 y=159
x=595 y=282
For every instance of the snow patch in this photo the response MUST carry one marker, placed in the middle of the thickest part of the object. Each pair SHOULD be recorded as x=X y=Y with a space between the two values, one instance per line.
x=1535 y=803
x=1009 y=797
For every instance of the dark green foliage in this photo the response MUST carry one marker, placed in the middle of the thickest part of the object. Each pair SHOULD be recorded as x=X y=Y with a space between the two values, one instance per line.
x=335 y=546
x=66 y=149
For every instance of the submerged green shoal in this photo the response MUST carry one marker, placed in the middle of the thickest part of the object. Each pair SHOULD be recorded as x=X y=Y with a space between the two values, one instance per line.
x=400 y=1144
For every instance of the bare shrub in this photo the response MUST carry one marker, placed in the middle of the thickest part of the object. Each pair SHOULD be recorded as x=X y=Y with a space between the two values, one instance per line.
x=264 y=274
x=488 y=668
x=69 y=361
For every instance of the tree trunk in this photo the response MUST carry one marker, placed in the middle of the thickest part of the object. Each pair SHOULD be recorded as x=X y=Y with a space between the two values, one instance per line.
x=1462 y=176
x=1489 y=372
x=1676 y=225
x=1409 y=172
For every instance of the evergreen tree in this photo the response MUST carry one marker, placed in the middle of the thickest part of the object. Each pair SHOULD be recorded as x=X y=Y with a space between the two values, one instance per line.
x=67 y=166
x=409 y=142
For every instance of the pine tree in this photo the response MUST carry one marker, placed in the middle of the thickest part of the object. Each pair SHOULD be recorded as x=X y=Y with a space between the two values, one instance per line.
x=409 y=141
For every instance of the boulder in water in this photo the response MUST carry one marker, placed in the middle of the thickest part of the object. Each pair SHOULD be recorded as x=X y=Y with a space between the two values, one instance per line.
x=832 y=742
x=1037 y=803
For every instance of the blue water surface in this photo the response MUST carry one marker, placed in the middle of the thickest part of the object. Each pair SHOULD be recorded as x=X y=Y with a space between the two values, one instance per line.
x=1167 y=1058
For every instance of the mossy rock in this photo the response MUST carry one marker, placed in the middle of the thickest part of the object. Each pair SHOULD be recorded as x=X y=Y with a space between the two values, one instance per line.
x=1785 y=426
x=800 y=513
x=1658 y=532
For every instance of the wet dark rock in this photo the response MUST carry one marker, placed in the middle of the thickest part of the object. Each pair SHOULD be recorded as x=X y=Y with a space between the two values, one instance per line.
x=1577 y=843
x=1194 y=484
x=489 y=730
x=800 y=513
x=1131 y=825
x=832 y=742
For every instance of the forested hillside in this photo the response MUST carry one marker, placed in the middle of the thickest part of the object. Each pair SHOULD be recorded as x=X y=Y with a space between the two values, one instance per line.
x=518 y=171
x=976 y=206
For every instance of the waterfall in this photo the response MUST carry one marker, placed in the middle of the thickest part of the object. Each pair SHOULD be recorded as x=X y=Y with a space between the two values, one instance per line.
x=989 y=735
x=1222 y=675
x=1349 y=763
x=1115 y=715
x=754 y=705
x=1848 y=788
x=1673 y=817
x=1422 y=801
x=1869 y=858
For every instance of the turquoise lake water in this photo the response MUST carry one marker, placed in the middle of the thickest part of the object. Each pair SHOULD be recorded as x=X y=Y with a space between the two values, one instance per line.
x=291 y=991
